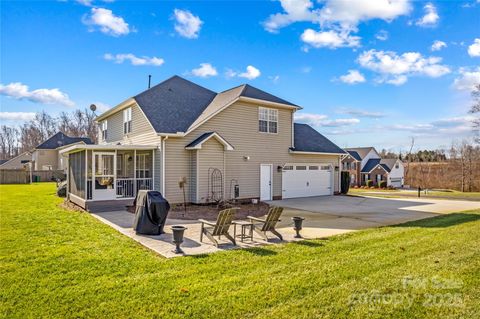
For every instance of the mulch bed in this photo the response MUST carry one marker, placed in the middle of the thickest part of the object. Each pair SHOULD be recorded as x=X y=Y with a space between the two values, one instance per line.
x=210 y=212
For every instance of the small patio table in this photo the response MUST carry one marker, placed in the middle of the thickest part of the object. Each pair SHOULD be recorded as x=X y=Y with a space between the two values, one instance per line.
x=244 y=225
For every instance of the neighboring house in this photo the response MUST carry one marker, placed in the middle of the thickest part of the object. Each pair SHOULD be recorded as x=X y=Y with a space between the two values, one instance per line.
x=185 y=140
x=17 y=162
x=364 y=163
x=46 y=156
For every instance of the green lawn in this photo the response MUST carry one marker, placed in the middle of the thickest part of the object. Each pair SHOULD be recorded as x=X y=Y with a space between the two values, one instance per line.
x=58 y=263
x=451 y=194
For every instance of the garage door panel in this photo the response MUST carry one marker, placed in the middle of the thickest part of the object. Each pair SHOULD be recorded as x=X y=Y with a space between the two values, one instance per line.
x=303 y=180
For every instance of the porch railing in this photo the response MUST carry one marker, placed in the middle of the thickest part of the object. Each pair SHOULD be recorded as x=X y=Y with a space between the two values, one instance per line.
x=127 y=187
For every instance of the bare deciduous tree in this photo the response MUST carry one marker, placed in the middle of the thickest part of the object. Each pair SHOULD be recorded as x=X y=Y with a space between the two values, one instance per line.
x=475 y=109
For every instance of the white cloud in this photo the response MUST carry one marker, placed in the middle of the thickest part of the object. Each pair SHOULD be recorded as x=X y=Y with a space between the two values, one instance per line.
x=17 y=116
x=361 y=113
x=467 y=79
x=187 y=24
x=107 y=22
x=87 y=3
x=274 y=78
x=337 y=18
x=251 y=73
x=134 y=60
x=19 y=91
x=446 y=126
x=395 y=69
x=330 y=39
x=205 y=70
x=431 y=16
x=438 y=45
x=319 y=120
x=474 y=48
x=382 y=35
x=352 y=77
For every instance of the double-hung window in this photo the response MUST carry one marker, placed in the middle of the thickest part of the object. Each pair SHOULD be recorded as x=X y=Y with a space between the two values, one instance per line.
x=104 y=130
x=267 y=120
x=127 y=120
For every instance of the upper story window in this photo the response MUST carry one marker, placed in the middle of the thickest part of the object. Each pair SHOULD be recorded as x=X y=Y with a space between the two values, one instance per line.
x=267 y=120
x=354 y=165
x=397 y=165
x=104 y=130
x=127 y=120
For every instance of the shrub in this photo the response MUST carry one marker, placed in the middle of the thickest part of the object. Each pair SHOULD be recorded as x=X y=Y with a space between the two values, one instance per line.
x=345 y=182
x=383 y=184
x=369 y=183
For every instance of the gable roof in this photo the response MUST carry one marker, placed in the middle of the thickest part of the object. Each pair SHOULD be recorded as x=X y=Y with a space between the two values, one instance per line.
x=60 y=139
x=197 y=143
x=355 y=155
x=361 y=151
x=176 y=104
x=389 y=162
x=372 y=163
x=307 y=139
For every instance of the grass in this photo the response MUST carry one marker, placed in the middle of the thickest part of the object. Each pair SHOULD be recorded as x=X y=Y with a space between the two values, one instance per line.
x=57 y=263
x=447 y=194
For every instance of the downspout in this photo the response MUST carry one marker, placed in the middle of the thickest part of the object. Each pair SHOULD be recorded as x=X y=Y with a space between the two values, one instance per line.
x=163 y=165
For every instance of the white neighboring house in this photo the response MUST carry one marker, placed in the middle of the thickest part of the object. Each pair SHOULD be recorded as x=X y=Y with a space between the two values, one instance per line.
x=364 y=163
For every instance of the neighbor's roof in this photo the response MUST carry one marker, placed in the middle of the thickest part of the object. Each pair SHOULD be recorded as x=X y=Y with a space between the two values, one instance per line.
x=372 y=163
x=176 y=104
x=60 y=139
x=307 y=139
x=355 y=155
x=361 y=151
x=389 y=163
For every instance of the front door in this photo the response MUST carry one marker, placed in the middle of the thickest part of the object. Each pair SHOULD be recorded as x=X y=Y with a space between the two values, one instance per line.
x=266 y=182
x=104 y=168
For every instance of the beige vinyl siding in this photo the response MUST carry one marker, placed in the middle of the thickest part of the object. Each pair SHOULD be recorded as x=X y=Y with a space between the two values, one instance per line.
x=142 y=131
x=209 y=157
x=16 y=162
x=238 y=124
x=157 y=170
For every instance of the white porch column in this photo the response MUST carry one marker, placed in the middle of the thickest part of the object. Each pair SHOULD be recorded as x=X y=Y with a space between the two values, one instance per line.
x=135 y=172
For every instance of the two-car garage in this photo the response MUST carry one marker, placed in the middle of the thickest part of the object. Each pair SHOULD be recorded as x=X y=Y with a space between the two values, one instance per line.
x=304 y=180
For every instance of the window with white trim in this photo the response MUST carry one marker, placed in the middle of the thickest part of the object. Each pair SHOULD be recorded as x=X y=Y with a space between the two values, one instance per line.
x=267 y=120
x=127 y=120
x=104 y=130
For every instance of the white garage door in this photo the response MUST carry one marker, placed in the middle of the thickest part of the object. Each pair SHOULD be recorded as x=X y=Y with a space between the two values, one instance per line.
x=303 y=180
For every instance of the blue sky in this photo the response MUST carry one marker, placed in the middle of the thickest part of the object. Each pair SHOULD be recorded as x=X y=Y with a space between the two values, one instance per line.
x=366 y=72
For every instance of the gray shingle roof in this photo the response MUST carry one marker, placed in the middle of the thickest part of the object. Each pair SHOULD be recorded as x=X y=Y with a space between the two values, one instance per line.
x=307 y=139
x=175 y=104
x=355 y=155
x=200 y=139
x=254 y=93
x=61 y=139
x=361 y=151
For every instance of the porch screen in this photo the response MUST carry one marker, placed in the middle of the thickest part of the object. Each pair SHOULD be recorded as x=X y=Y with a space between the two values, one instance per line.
x=76 y=172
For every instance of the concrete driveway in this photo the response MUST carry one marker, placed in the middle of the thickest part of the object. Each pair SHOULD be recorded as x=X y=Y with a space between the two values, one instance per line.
x=330 y=215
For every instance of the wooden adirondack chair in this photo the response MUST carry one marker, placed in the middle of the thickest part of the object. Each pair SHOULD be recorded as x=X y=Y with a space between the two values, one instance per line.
x=220 y=227
x=267 y=224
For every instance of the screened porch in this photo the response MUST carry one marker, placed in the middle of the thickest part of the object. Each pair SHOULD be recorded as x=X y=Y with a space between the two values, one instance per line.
x=99 y=174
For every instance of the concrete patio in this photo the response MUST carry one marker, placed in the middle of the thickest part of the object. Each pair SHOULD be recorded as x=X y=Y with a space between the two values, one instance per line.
x=324 y=216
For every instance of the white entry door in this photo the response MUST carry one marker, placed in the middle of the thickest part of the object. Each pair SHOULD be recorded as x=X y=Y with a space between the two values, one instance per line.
x=266 y=182
x=104 y=168
x=304 y=180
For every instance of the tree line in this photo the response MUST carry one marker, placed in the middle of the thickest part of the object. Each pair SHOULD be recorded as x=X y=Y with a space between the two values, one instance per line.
x=15 y=140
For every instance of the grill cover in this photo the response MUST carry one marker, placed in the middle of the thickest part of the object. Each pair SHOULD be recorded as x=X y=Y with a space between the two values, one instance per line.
x=151 y=210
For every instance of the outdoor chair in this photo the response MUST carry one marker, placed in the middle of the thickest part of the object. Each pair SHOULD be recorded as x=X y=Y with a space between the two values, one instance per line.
x=220 y=227
x=261 y=226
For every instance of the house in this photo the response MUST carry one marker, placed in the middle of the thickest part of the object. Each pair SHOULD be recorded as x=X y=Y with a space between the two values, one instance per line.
x=364 y=163
x=46 y=156
x=17 y=162
x=193 y=144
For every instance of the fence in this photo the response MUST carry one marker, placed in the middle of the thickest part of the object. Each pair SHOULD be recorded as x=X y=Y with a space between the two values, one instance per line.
x=21 y=176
